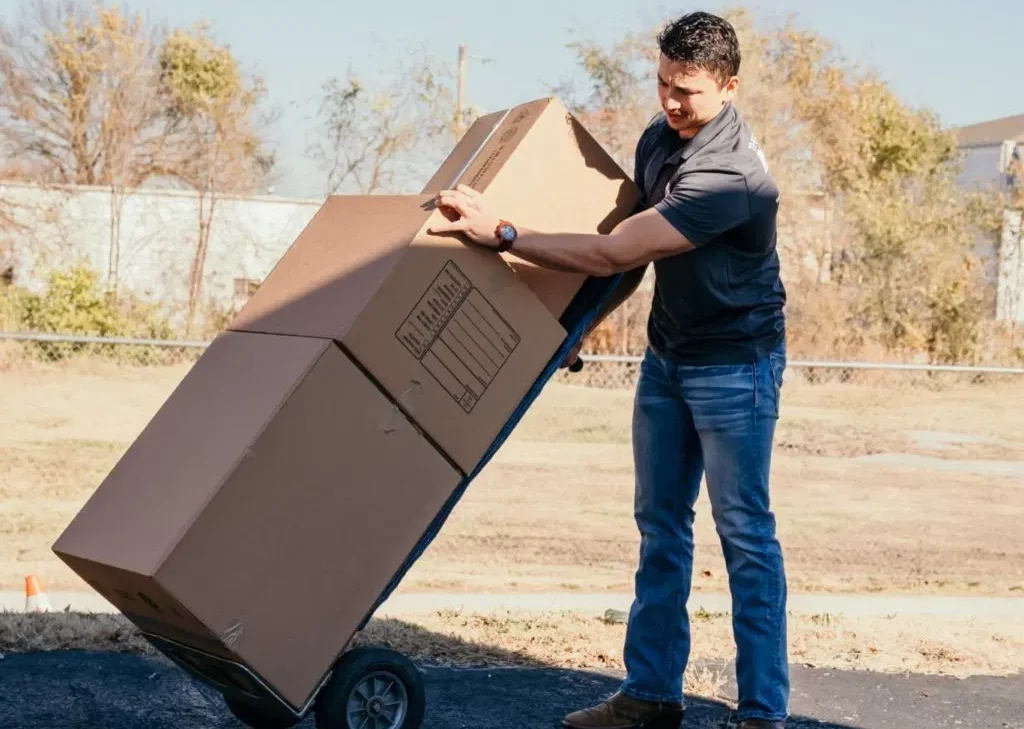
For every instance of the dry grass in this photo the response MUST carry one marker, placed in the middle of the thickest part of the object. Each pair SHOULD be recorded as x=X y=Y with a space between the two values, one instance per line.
x=577 y=641
x=554 y=510
x=28 y=632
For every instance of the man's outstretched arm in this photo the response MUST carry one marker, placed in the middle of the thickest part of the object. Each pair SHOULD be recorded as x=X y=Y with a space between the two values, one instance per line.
x=634 y=243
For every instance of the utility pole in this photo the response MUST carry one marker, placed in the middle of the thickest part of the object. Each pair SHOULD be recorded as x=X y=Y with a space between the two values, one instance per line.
x=460 y=98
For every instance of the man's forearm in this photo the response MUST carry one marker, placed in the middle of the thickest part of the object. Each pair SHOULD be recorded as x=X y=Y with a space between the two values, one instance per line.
x=636 y=241
x=569 y=252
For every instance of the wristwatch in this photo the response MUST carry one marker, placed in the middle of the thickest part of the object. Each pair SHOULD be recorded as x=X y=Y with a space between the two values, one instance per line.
x=507 y=234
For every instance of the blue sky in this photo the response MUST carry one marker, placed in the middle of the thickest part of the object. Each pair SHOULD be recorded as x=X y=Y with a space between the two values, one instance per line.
x=966 y=63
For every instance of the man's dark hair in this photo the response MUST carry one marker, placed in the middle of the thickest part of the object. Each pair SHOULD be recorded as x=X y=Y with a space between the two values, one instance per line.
x=703 y=41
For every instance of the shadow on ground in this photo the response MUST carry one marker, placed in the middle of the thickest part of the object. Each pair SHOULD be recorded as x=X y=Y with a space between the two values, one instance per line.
x=51 y=680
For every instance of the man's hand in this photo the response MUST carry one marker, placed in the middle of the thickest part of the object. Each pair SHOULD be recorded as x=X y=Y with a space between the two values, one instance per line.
x=475 y=222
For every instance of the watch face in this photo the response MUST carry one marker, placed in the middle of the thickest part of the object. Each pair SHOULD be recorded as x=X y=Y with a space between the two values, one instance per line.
x=508 y=233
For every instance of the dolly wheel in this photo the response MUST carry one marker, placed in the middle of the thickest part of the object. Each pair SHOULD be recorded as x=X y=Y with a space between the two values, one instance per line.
x=372 y=688
x=259 y=717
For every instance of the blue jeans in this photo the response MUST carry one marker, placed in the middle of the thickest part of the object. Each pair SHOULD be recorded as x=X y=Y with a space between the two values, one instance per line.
x=717 y=420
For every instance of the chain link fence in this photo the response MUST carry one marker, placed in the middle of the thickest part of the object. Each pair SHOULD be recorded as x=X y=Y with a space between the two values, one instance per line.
x=55 y=349
x=599 y=371
x=617 y=373
x=621 y=372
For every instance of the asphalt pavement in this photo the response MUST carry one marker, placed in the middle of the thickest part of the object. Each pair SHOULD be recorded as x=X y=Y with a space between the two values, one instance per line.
x=80 y=690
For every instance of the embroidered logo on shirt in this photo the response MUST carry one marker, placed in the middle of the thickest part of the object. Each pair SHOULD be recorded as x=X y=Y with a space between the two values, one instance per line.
x=756 y=148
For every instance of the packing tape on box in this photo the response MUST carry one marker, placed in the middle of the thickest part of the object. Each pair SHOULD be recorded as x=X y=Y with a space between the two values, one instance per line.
x=232 y=635
x=403 y=402
x=483 y=145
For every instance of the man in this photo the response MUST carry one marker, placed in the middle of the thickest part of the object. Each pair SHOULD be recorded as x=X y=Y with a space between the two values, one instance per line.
x=708 y=396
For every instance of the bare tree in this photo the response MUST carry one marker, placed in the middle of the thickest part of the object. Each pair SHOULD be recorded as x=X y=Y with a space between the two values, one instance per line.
x=136 y=130
x=75 y=86
x=385 y=139
x=219 y=138
x=79 y=102
x=621 y=99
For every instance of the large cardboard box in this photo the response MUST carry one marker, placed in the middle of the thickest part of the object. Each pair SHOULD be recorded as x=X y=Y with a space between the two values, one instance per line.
x=538 y=167
x=263 y=510
x=447 y=329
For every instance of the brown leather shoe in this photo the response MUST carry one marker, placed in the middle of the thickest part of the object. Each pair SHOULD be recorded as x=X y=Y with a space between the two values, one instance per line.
x=762 y=724
x=625 y=712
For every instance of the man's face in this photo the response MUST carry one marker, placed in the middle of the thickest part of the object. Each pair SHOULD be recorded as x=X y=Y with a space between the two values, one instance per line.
x=691 y=98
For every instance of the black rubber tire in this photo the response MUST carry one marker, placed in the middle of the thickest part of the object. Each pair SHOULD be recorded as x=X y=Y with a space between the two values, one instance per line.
x=352 y=668
x=259 y=717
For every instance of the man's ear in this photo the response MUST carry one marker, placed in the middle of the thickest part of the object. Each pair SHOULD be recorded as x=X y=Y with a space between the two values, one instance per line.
x=731 y=87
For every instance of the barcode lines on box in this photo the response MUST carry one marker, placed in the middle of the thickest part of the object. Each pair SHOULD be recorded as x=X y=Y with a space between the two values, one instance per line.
x=463 y=337
x=450 y=338
x=479 y=337
x=493 y=319
x=458 y=336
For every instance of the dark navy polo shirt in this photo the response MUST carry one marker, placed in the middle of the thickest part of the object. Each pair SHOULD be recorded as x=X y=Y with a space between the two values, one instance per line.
x=721 y=303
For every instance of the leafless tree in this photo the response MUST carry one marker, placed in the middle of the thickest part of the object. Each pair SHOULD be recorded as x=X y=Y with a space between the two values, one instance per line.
x=386 y=139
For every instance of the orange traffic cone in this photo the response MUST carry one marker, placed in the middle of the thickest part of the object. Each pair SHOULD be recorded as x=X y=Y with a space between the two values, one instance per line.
x=35 y=599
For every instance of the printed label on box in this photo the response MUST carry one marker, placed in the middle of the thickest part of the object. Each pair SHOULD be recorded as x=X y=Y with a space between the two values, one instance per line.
x=458 y=336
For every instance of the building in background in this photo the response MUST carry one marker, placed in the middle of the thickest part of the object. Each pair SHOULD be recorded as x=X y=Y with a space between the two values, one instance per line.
x=989 y=149
x=993 y=153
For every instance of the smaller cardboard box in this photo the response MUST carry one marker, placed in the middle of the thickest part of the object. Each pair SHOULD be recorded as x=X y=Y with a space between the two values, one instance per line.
x=447 y=329
x=537 y=166
x=455 y=333
x=263 y=510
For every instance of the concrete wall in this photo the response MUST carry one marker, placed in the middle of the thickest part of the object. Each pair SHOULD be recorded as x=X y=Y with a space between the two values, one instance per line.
x=249 y=235
x=1000 y=255
x=159 y=230
x=1010 y=287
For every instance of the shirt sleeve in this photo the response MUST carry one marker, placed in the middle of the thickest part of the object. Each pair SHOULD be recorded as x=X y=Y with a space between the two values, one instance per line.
x=704 y=203
x=638 y=173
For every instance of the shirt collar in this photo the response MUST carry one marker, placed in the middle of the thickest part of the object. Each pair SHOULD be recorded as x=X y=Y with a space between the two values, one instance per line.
x=688 y=148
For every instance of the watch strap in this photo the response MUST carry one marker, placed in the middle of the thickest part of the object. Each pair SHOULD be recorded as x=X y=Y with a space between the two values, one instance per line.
x=504 y=245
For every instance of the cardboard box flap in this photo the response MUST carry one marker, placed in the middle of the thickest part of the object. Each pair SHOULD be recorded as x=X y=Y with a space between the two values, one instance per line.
x=481 y=152
x=336 y=266
x=537 y=166
x=469 y=148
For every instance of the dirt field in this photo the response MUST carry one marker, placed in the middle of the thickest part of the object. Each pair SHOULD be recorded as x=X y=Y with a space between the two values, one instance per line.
x=877 y=488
